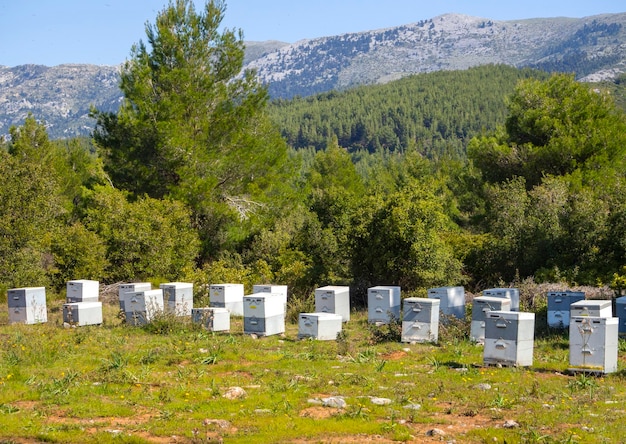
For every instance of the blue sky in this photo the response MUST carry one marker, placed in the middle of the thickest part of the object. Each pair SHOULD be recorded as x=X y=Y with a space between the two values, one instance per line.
x=52 y=32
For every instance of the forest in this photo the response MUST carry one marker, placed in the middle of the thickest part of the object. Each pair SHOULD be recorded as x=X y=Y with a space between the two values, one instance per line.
x=478 y=178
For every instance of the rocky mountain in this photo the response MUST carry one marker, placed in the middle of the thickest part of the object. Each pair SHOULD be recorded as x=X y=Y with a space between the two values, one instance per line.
x=592 y=47
x=61 y=96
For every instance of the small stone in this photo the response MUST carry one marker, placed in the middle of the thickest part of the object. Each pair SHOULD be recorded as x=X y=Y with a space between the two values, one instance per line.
x=334 y=401
x=483 y=386
x=381 y=401
x=262 y=411
x=254 y=336
x=412 y=406
x=510 y=424
x=235 y=393
x=435 y=432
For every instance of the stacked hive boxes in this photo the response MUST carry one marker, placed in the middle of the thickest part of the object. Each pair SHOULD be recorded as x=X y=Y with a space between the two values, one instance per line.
x=179 y=297
x=482 y=305
x=559 y=303
x=509 y=293
x=141 y=307
x=127 y=289
x=509 y=338
x=27 y=305
x=279 y=290
x=263 y=314
x=82 y=306
x=333 y=299
x=228 y=296
x=593 y=336
x=383 y=304
x=420 y=320
x=452 y=300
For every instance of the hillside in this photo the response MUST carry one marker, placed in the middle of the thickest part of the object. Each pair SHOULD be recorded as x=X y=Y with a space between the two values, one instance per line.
x=434 y=112
x=592 y=47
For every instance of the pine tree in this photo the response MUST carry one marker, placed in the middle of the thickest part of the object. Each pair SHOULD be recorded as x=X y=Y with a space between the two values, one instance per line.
x=192 y=125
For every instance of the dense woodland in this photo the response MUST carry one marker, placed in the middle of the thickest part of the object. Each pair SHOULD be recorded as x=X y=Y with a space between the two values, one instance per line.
x=476 y=178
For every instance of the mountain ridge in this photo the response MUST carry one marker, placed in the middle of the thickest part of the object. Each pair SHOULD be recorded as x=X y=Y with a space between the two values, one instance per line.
x=593 y=47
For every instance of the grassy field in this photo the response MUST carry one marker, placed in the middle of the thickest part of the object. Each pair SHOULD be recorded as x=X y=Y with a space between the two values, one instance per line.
x=167 y=383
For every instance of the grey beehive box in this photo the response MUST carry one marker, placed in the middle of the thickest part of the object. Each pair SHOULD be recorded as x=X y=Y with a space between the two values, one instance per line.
x=27 y=305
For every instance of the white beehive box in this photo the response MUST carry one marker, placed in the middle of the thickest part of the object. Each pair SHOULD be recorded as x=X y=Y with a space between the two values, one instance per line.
x=280 y=290
x=509 y=338
x=229 y=296
x=333 y=299
x=620 y=313
x=125 y=289
x=143 y=306
x=383 y=304
x=320 y=326
x=482 y=305
x=212 y=318
x=263 y=314
x=559 y=303
x=452 y=300
x=593 y=344
x=178 y=297
x=27 y=305
x=82 y=313
x=420 y=320
x=592 y=307
x=509 y=293
x=82 y=290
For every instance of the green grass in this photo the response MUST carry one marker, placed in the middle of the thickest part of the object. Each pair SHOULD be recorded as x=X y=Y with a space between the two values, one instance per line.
x=115 y=383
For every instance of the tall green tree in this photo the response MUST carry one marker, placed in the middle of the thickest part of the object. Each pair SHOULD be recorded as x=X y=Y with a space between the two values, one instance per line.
x=554 y=127
x=553 y=176
x=30 y=207
x=192 y=124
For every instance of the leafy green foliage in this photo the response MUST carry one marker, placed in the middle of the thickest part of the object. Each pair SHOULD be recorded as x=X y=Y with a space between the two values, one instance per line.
x=436 y=112
x=148 y=238
x=191 y=128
